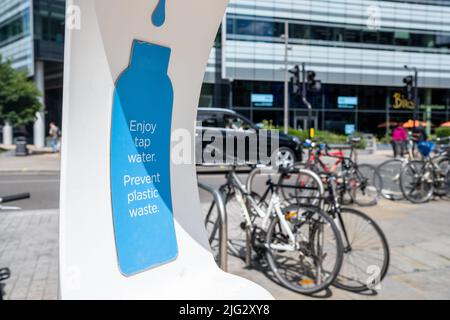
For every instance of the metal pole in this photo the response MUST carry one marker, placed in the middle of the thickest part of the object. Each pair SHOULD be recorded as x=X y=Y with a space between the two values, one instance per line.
x=416 y=95
x=286 y=78
x=223 y=231
x=447 y=102
x=305 y=101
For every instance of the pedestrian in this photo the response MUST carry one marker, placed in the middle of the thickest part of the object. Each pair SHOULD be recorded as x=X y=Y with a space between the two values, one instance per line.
x=54 y=133
x=399 y=138
x=419 y=133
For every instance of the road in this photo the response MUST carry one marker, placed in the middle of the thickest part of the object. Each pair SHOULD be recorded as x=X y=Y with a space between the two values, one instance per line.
x=43 y=187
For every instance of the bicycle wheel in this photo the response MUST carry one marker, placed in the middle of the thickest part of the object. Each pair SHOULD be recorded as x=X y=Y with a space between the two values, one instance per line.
x=444 y=177
x=366 y=185
x=417 y=182
x=366 y=252
x=212 y=224
x=317 y=258
x=389 y=172
x=237 y=226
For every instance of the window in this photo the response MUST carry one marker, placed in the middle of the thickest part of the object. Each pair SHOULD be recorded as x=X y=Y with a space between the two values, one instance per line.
x=299 y=31
x=401 y=38
x=370 y=37
x=352 y=35
x=236 y=123
x=386 y=38
x=15 y=28
x=207 y=120
x=337 y=34
x=348 y=33
x=319 y=33
x=258 y=28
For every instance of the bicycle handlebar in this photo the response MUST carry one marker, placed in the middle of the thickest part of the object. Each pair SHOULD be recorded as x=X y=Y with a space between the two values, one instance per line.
x=15 y=197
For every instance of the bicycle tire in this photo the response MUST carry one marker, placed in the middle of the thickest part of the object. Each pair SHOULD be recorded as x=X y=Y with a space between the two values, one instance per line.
x=359 y=282
x=236 y=231
x=278 y=270
x=390 y=171
x=368 y=186
x=410 y=183
x=444 y=167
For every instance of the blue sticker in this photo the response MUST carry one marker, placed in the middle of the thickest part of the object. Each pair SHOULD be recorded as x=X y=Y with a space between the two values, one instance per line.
x=140 y=161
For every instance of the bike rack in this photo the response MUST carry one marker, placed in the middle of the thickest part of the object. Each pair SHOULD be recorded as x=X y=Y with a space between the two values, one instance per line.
x=223 y=231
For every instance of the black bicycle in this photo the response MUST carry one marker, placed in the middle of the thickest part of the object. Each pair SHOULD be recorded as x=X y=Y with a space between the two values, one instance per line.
x=365 y=248
x=5 y=273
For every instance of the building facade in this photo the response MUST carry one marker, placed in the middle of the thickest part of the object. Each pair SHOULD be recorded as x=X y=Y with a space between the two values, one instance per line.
x=32 y=38
x=358 y=49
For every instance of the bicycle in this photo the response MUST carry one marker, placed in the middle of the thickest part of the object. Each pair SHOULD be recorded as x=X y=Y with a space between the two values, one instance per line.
x=390 y=173
x=302 y=246
x=357 y=183
x=365 y=248
x=420 y=180
x=5 y=273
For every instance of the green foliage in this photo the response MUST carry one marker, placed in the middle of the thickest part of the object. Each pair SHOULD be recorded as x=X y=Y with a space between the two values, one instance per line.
x=321 y=136
x=19 y=97
x=443 y=132
x=386 y=139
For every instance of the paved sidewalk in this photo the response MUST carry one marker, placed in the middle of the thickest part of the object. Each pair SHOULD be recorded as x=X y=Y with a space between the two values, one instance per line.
x=419 y=237
x=29 y=247
x=37 y=161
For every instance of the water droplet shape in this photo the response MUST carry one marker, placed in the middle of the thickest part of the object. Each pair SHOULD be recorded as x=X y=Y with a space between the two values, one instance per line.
x=159 y=15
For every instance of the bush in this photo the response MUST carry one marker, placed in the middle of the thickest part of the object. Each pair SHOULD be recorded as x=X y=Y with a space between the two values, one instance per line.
x=443 y=132
x=321 y=136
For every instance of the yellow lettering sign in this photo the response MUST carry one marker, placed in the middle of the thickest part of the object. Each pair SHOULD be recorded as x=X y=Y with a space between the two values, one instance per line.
x=401 y=103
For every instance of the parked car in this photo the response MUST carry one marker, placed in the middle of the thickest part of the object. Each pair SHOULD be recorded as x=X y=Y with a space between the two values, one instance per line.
x=231 y=125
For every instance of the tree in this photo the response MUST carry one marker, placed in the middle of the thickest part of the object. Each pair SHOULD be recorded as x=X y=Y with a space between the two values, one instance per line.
x=19 y=96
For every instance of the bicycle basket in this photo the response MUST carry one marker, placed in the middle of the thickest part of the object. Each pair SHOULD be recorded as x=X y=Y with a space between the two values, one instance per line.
x=425 y=148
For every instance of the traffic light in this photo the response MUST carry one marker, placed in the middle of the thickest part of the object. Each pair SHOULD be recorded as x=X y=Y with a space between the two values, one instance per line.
x=313 y=84
x=409 y=88
x=295 y=81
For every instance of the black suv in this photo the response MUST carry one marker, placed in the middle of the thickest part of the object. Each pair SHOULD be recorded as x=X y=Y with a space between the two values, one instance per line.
x=231 y=125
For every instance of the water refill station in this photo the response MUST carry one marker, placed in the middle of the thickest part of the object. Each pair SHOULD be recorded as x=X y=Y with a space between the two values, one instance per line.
x=131 y=226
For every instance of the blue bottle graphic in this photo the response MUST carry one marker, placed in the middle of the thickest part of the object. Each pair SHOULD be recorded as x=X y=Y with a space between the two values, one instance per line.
x=140 y=161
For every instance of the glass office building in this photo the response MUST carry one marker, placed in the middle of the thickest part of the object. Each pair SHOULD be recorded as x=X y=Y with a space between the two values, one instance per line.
x=358 y=49
x=32 y=38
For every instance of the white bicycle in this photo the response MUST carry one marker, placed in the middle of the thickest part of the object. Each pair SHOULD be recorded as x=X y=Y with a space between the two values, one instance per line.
x=300 y=243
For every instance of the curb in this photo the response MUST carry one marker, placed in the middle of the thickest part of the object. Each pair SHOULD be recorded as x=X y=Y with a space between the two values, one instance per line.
x=27 y=172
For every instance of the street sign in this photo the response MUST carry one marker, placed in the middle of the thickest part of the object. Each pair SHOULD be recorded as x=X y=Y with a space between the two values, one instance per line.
x=347 y=102
x=262 y=100
x=350 y=129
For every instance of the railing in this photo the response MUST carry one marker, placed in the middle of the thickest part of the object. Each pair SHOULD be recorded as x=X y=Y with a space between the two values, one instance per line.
x=223 y=230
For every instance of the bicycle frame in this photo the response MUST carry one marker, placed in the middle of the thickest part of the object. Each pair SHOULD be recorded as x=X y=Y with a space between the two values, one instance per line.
x=244 y=199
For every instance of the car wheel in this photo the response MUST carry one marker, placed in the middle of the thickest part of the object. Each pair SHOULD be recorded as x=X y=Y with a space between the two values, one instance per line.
x=285 y=158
